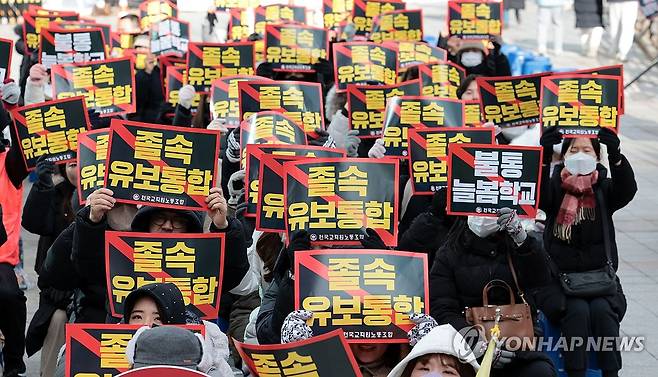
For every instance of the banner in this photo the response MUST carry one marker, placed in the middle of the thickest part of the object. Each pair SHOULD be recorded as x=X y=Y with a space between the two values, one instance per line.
x=441 y=79
x=238 y=26
x=475 y=19
x=207 y=62
x=99 y=349
x=224 y=5
x=161 y=166
x=299 y=101
x=6 y=50
x=364 y=11
x=411 y=54
x=323 y=355
x=580 y=104
x=50 y=129
x=277 y=14
x=175 y=78
x=367 y=294
x=170 y=36
x=194 y=262
x=154 y=11
x=36 y=20
x=610 y=70
x=364 y=63
x=366 y=105
x=428 y=154
x=107 y=85
x=295 y=48
x=485 y=178
x=270 y=205
x=335 y=199
x=399 y=25
x=336 y=11
x=472 y=114
x=407 y=112
x=510 y=101
x=92 y=153
x=224 y=98
x=62 y=46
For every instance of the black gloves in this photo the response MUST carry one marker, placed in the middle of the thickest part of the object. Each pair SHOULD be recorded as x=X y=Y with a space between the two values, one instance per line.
x=373 y=241
x=322 y=138
x=44 y=171
x=548 y=139
x=299 y=240
x=611 y=141
x=439 y=202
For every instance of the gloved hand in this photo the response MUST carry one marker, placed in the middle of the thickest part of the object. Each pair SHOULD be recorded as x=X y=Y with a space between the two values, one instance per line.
x=325 y=71
x=233 y=145
x=299 y=240
x=44 y=171
x=321 y=139
x=378 y=150
x=610 y=139
x=218 y=124
x=352 y=142
x=510 y=222
x=10 y=92
x=236 y=185
x=372 y=240
x=186 y=96
x=549 y=138
x=502 y=358
x=295 y=328
x=439 y=202
x=38 y=74
x=424 y=324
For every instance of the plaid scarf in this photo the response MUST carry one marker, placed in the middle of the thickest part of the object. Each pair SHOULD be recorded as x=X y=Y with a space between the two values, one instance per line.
x=578 y=204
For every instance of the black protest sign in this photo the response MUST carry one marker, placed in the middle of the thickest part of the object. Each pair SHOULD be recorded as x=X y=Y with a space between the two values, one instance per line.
x=411 y=54
x=295 y=48
x=364 y=63
x=92 y=153
x=475 y=19
x=270 y=205
x=50 y=129
x=107 y=85
x=154 y=11
x=399 y=25
x=36 y=20
x=440 y=79
x=238 y=26
x=6 y=49
x=366 y=105
x=225 y=99
x=580 y=104
x=170 y=37
x=99 y=349
x=472 y=114
x=510 y=101
x=364 y=12
x=610 y=70
x=207 y=62
x=368 y=294
x=224 y=5
x=62 y=46
x=428 y=154
x=174 y=80
x=323 y=355
x=335 y=199
x=194 y=262
x=299 y=101
x=485 y=178
x=161 y=166
x=407 y=112
x=86 y=24
x=334 y=12
x=277 y=14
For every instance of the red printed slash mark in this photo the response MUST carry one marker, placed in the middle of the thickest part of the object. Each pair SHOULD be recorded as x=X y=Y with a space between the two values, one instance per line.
x=93 y=345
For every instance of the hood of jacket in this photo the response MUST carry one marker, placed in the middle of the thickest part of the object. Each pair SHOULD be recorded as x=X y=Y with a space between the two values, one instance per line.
x=141 y=221
x=168 y=298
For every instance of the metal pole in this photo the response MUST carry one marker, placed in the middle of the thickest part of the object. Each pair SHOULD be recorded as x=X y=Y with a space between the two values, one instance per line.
x=655 y=63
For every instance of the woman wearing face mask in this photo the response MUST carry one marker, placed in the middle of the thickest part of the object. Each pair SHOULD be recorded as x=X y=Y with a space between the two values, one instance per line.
x=480 y=57
x=579 y=200
x=476 y=252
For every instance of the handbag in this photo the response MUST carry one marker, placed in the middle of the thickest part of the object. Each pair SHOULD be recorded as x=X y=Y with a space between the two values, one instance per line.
x=514 y=320
x=593 y=283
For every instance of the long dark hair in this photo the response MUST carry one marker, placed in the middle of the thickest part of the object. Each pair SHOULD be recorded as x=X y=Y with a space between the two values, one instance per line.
x=267 y=247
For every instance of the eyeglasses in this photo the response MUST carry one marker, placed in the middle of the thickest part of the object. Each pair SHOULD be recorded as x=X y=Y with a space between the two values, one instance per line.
x=177 y=222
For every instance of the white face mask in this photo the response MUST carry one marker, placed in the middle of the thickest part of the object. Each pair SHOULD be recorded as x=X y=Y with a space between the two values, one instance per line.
x=483 y=226
x=471 y=58
x=512 y=133
x=580 y=163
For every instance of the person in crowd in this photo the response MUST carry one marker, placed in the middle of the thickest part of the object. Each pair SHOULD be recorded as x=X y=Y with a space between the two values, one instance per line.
x=589 y=19
x=481 y=57
x=623 y=14
x=550 y=12
x=479 y=250
x=149 y=92
x=579 y=199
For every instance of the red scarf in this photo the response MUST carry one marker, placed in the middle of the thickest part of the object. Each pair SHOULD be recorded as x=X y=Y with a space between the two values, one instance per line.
x=578 y=203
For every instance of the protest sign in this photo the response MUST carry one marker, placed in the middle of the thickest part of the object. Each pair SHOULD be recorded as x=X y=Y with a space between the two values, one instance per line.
x=475 y=19
x=207 y=62
x=175 y=78
x=170 y=36
x=411 y=54
x=154 y=11
x=364 y=12
x=62 y=46
x=92 y=153
x=295 y=48
x=440 y=79
x=364 y=63
x=399 y=25
x=36 y=20
x=225 y=99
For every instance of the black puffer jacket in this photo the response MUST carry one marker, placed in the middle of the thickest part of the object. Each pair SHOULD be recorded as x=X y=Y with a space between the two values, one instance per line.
x=589 y=13
x=426 y=234
x=149 y=96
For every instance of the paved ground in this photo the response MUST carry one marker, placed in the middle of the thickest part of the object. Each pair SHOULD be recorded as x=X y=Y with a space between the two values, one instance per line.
x=637 y=225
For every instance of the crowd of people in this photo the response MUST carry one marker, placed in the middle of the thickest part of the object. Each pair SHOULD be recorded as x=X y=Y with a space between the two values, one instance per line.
x=584 y=181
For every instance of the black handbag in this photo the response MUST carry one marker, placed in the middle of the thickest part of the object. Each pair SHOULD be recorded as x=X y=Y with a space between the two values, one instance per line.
x=594 y=283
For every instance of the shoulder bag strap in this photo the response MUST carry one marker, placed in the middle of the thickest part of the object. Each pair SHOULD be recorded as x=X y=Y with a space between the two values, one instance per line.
x=606 y=225
x=516 y=281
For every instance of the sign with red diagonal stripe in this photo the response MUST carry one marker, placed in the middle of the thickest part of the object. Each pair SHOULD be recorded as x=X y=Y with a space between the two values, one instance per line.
x=475 y=19
x=364 y=11
x=238 y=26
x=364 y=63
x=472 y=114
x=62 y=46
x=398 y=25
x=35 y=20
x=207 y=62
x=153 y=11
x=610 y=70
x=334 y=12
x=161 y=166
x=174 y=80
x=194 y=262
x=225 y=99
x=368 y=294
x=170 y=36
x=441 y=79
x=295 y=48
x=411 y=54
x=277 y=14
x=482 y=179
x=92 y=153
x=86 y=24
